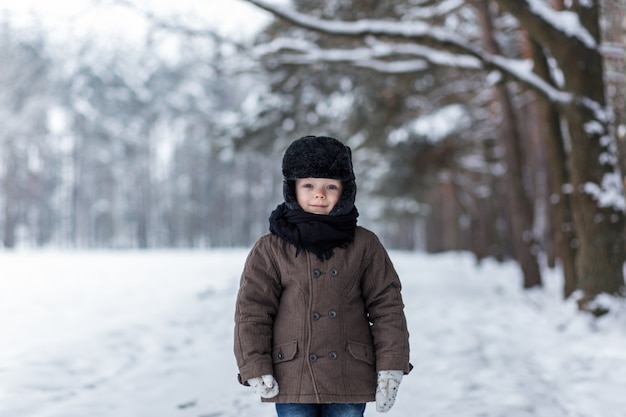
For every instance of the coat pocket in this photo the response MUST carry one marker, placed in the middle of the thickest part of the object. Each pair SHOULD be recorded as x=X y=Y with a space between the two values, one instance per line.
x=361 y=352
x=284 y=352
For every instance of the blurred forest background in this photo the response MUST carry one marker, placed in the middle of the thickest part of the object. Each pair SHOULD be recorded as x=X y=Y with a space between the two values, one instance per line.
x=484 y=126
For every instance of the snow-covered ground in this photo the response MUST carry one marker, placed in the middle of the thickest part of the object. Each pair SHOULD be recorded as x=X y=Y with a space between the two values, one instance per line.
x=149 y=334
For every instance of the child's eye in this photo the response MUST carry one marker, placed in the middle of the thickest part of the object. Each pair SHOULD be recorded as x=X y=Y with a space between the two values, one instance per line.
x=307 y=185
x=333 y=187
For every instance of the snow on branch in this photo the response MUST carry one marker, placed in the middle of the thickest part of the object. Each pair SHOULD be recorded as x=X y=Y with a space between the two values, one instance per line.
x=395 y=67
x=381 y=56
x=565 y=21
x=416 y=30
x=434 y=56
x=521 y=70
x=469 y=57
x=441 y=8
x=555 y=25
x=610 y=193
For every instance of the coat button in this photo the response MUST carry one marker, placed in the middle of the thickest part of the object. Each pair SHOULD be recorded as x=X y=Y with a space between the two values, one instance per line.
x=312 y=357
x=332 y=314
x=334 y=272
x=281 y=355
x=316 y=273
x=315 y=315
x=333 y=355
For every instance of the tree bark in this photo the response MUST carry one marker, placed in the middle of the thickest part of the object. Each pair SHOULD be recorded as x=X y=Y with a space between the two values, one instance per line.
x=593 y=155
x=565 y=234
x=614 y=41
x=518 y=201
x=10 y=224
x=599 y=226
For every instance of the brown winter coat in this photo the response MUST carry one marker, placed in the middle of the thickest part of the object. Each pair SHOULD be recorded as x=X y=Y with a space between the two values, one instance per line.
x=322 y=328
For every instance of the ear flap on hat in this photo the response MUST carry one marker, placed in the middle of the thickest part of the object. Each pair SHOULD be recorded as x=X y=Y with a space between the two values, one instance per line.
x=289 y=193
x=346 y=201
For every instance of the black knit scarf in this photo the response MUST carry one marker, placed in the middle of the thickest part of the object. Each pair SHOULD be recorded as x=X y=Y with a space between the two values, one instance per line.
x=317 y=233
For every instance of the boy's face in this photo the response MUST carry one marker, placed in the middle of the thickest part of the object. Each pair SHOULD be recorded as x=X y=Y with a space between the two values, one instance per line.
x=318 y=195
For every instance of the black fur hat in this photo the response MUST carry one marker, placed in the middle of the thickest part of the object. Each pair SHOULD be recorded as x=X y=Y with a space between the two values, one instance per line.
x=319 y=157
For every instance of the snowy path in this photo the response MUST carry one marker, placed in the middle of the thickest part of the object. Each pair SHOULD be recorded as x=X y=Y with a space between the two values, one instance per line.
x=133 y=334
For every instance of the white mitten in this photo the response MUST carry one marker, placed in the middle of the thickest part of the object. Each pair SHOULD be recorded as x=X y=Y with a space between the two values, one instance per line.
x=265 y=386
x=387 y=389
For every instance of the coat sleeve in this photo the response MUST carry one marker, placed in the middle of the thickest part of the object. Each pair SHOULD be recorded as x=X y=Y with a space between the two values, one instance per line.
x=255 y=310
x=385 y=308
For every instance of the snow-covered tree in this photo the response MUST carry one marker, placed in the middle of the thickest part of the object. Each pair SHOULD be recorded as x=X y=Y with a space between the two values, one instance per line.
x=566 y=41
x=28 y=166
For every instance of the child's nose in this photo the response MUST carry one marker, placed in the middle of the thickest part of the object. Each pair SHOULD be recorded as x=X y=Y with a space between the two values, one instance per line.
x=320 y=193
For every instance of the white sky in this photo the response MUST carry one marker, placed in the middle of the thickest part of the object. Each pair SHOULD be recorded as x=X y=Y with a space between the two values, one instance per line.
x=77 y=18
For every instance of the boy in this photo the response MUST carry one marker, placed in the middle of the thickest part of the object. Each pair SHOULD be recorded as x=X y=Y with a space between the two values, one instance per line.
x=319 y=322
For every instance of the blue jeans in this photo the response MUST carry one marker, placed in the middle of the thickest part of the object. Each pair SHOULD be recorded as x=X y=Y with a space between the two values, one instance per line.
x=320 y=410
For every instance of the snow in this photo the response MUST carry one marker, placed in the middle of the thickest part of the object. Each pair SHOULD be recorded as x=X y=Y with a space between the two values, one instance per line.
x=564 y=21
x=610 y=193
x=125 y=20
x=131 y=334
x=473 y=57
x=374 y=56
x=435 y=126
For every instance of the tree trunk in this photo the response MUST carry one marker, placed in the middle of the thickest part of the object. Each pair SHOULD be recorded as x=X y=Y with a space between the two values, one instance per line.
x=599 y=223
x=565 y=238
x=10 y=198
x=597 y=189
x=517 y=200
x=10 y=225
x=613 y=40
